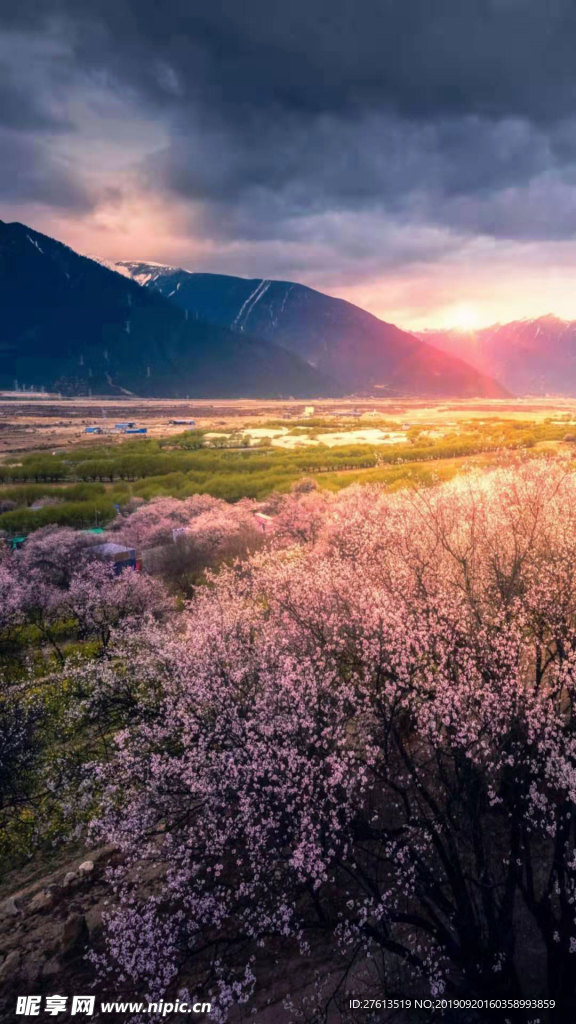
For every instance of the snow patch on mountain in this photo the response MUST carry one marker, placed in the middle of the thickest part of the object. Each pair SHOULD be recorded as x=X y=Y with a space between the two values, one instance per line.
x=35 y=243
x=247 y=306
x=142 y=271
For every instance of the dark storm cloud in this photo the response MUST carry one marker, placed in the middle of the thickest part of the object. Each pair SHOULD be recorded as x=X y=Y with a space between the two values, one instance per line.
x=431 y=112
x=31 y=174
x=32 y=119
x=321 y=161
x=21 y=108
x=491 y=57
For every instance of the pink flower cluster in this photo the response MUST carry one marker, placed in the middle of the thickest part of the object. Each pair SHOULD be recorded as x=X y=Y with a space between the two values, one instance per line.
x=365 y=735
x=56 y=578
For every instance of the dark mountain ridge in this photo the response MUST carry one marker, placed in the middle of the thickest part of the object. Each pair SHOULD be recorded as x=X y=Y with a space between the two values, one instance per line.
x=350 y=345
x=70 y=324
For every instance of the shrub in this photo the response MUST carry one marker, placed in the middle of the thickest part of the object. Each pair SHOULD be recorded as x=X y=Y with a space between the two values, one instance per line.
x=365 y=739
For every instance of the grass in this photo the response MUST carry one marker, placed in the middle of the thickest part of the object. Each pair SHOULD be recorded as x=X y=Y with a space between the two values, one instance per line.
x=87 y=483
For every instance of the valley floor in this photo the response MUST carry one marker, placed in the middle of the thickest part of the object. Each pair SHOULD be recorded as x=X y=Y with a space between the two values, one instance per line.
x=67 y=690
x=31 y=423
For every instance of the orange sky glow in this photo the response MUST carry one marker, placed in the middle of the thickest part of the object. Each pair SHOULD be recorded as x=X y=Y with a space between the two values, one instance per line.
x=480 y=285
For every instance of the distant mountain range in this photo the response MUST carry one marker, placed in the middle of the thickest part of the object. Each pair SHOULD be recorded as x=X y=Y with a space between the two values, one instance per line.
x=72 y=325
x=529 y=357
x=78 y=325
x=345 y=343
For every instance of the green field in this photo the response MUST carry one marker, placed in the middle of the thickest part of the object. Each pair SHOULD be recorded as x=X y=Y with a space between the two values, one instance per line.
x=82 y=486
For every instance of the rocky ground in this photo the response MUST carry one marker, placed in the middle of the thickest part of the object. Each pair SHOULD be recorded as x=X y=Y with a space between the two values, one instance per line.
x=46 y=929
x=49 y=926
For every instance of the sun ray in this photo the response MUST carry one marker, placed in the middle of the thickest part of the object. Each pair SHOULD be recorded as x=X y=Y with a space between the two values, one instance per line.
x=464 y=317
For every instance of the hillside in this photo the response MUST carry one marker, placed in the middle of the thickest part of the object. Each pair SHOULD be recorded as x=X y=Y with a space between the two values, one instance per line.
x=70 y=324
x=530 y=357
x=341 y=340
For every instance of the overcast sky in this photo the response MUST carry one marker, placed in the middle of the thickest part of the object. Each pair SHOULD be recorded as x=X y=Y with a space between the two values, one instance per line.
x=415 y=156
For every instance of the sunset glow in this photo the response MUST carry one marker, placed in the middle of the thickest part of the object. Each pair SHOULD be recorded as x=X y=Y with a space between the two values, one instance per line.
x=465 y=209
x=465 y=318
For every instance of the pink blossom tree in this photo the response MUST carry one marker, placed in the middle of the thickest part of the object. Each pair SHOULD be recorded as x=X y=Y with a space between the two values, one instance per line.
x=57 y=578
x=302 y=515
x=54 y=553
x=154 y=522
x=368 y=739
x=99 y=598
x=180 y=539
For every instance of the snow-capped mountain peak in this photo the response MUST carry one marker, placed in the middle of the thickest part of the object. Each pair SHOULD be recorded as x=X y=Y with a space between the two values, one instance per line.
x=142 y=271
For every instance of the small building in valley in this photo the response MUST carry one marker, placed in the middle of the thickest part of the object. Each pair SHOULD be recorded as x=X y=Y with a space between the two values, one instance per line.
x=120 y=556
